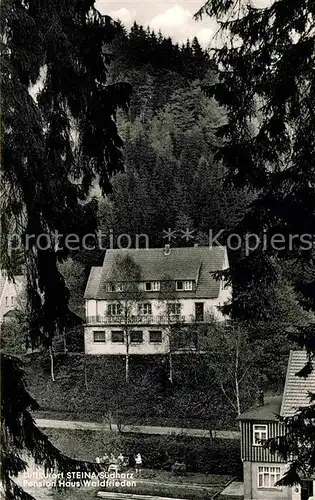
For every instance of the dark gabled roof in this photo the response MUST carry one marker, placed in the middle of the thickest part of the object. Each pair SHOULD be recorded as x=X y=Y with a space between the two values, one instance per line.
x=264 y=413
x=296 y=388
x=192 y=263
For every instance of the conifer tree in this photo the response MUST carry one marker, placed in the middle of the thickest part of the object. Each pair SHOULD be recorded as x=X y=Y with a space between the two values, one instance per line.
x=266 y=83
x=58 y=135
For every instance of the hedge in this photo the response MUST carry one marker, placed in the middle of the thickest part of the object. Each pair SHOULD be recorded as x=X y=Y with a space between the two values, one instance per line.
x=219 y=456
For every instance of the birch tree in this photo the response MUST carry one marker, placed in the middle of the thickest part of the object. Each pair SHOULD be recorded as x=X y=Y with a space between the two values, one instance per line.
x=125 y=278
x=170 y=308
x=232 y=361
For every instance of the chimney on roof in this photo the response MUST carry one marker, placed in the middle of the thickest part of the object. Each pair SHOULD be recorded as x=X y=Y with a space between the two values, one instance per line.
x=167 y=249
x=260 y=401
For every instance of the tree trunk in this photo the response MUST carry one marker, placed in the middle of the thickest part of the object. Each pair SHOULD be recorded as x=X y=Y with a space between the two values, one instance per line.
x=236 y=375
x=170 y=360
x=85 y=372
x=127 y=359
x=52 y=370
x=65 y=349
x=237 y=393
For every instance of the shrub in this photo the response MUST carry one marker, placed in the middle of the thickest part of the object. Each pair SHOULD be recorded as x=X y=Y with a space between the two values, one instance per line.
x=220 y=456
x=179 y=469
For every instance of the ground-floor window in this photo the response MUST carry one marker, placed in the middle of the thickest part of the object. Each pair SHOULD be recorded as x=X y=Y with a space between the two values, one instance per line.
x=99 y=336
x=268 y=476
x=136 y=336
x=118 y=336
x=155 y=336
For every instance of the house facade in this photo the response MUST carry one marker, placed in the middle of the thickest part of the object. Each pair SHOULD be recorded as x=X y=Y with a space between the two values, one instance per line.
x=175 y=287
x=11 y=296
x=261 y=468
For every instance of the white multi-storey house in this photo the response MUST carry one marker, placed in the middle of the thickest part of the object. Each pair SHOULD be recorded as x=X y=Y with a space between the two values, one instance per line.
x=197 y=296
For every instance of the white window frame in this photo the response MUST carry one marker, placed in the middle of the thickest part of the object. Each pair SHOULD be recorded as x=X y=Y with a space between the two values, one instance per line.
x=267 y=476
x=116 y=306
x=119 y=287
x=99 y=341
x=148 y=286
x=7 y=301
x=145 y=309
x=262 y=431
x=188 y=286
x=12 y=301
x=156 y=286
x=177 y=308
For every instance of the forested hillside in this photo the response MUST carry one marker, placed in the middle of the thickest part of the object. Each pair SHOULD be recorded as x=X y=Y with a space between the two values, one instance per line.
x=172 y=180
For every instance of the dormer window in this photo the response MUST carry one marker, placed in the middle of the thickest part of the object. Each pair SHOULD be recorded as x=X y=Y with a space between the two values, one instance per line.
x=111 y=287
x=152 y=286
x=184 y=286
x=260 y=434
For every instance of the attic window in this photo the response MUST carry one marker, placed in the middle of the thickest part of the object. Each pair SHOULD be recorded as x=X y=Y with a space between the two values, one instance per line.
x=184 y=285
x=111 y=287
x=152 y=286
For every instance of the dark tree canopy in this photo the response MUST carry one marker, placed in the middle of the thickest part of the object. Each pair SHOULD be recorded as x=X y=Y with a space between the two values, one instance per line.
x=58 y=136
x=56 y=141
x=266 y=82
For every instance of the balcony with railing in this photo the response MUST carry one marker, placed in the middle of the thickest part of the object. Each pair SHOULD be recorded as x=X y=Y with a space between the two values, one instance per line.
x=145 y=319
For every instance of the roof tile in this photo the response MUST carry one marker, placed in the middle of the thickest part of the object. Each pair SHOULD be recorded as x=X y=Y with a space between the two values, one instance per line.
x=296 y=388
